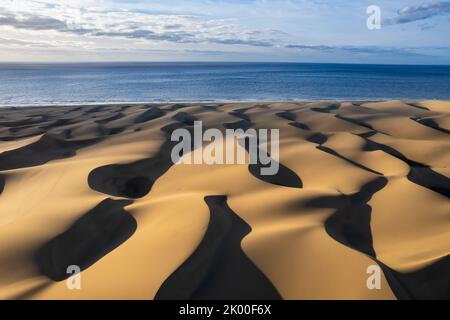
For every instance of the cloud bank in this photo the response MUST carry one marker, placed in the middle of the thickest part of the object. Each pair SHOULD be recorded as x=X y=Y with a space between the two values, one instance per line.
x=420 y=12
x=140 y=26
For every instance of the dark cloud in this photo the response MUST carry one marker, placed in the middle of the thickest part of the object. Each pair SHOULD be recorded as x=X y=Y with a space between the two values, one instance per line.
x=248 y=42
x=38 y=23
x=179 y=36
x=27 y=21
x=311 y=47
x=173 y=26
x=372 y=50
x=419 y=12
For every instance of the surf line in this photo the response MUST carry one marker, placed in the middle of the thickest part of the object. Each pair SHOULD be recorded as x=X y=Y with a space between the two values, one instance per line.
x=224 y=149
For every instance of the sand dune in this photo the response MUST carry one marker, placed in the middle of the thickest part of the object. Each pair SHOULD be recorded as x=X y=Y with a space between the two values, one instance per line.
x=360 y=184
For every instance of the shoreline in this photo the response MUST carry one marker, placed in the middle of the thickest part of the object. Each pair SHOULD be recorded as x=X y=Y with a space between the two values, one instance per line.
x=204 y=102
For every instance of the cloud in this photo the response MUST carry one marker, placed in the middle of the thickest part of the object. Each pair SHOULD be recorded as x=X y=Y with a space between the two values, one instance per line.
x=311 y=47
x=33 y=22
x=27 y=21
x=139 y=26
x=419 y=12
x=369 y=50
x=53 y=44
x=22 y=43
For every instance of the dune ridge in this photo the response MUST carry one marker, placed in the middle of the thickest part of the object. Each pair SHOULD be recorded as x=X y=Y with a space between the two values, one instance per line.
x=360 y=184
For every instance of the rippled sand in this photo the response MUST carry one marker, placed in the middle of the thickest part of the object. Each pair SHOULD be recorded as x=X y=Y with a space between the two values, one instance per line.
x=361 y=184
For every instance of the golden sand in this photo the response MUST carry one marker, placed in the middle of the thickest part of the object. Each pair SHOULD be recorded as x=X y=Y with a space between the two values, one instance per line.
x=374 y=190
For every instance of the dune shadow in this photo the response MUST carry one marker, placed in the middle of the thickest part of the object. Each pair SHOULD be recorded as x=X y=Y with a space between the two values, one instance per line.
x=417 y=106
x=135 y=180
x=2 y=183
x=93 y=109
x=429 y=283
x=242 y=124
x=350 y=223
x=356 y=164
x=327 y=109
x=46 y=149
x=15 y=133
x=430 y=123
x=91 y=237
x=241 y=114
x=212 y=107
x=219 y=269
x=284 y=177
x=57 y=123
x=175 y=107
x=28 y=121
x=9 y=137
x=317 y=138
x=299 y=125
x=287 y=115
x=291 y=116
x=185 y=118
x=106 y=120
x=30 y=293
x=151 y=114
x=419 y=173
x=355 y=121
x=430 y=179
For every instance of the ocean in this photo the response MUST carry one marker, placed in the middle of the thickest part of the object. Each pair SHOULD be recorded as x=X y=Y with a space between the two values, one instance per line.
x=89 y=83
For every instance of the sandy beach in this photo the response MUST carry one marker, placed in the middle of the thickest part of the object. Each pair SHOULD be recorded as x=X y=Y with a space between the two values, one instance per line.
x=361 y=184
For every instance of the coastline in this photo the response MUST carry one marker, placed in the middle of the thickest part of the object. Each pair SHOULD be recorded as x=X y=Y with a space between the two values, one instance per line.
x=204 y=102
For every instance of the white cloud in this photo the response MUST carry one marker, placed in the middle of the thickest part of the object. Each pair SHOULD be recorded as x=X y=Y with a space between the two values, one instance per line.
x=94 y=22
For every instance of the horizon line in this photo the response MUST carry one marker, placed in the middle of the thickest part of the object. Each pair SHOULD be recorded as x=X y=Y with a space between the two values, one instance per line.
x=224 y=62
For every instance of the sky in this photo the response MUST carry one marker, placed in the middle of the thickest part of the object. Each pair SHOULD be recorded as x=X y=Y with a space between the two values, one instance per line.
x=411 y=31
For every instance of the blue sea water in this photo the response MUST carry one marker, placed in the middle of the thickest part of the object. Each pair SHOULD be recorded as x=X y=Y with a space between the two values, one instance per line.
x=44 y=84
